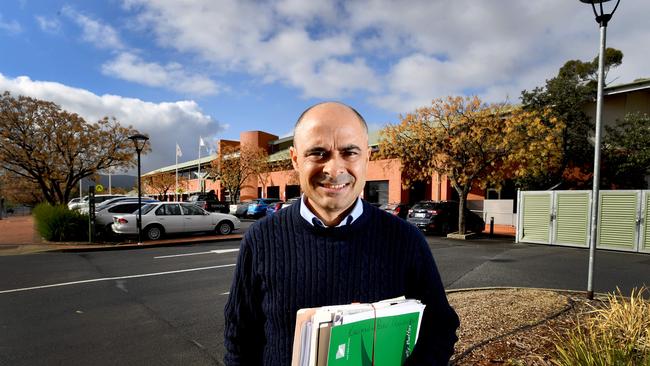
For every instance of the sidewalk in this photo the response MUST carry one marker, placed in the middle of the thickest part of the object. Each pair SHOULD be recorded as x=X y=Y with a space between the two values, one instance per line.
x=18 y=236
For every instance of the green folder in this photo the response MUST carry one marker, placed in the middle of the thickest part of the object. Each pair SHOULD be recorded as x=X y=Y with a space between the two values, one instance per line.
x=352 y=344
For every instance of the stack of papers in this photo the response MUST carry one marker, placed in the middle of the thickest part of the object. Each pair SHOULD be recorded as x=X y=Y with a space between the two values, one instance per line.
x=357 y=334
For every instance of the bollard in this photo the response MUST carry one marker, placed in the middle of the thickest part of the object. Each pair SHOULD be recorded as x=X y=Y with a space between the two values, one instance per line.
x=491 y=226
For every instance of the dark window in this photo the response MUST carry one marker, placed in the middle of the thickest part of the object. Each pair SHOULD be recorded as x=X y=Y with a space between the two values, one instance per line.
x=125 y=208
x=170 y=209
x=376 y=192
x=292 y=191
x=273 y=192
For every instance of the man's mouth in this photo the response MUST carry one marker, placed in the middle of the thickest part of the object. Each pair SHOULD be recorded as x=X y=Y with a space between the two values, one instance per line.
x=334 y=186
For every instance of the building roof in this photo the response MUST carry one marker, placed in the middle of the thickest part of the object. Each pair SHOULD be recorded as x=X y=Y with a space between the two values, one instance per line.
x=373 y=141
x=180 y=166
x=640 y=84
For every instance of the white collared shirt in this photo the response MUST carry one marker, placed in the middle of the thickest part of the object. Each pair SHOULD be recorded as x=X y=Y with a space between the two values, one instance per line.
x=311 y=218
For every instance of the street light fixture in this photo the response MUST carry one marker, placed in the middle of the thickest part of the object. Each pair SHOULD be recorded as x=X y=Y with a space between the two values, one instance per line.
x=602 y=19
x=139 y=140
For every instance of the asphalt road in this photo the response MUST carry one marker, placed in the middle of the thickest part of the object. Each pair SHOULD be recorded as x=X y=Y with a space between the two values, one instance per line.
x=164 y=306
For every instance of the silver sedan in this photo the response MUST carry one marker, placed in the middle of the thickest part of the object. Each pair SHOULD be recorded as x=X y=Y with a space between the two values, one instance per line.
x=162 y=218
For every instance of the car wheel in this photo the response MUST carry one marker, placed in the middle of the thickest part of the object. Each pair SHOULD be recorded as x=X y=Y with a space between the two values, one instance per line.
x=153 y=232
x=224 y=228
x=444 y=230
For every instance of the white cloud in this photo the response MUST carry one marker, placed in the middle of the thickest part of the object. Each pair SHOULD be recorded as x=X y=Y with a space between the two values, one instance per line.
x=94 y=31
x=130 y=67
x=399 y=54
x=11 y=27
x=166 y=123
x=49 y=25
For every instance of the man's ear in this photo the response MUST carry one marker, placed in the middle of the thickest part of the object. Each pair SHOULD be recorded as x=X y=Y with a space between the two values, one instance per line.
x=294 y=157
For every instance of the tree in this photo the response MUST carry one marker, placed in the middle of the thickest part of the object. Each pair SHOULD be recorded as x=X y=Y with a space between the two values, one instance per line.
x=472 y=143
x=54 y=149
x=161 y=183
x=626 y=148
x=565 y=96
x=235 y=165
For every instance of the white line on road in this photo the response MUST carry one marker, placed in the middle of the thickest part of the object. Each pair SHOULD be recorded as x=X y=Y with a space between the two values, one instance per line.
x=116 y=278
x=218 y=251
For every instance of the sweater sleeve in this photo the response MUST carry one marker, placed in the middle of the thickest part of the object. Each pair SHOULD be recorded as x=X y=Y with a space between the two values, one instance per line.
x=437 y=335
x=244 y=321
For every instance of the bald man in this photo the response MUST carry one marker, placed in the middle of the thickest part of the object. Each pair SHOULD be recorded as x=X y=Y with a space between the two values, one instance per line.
x=330 y=248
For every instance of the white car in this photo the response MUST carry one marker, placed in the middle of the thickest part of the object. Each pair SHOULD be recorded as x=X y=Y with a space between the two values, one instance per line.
x=162 y=218
x=104 y=215
x=83 y=204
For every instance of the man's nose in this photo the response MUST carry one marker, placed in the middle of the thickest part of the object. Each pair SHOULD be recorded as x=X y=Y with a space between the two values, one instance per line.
x=335 y=165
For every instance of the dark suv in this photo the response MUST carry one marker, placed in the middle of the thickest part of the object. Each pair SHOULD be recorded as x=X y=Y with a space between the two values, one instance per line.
x=209 y=202
x=442 y=217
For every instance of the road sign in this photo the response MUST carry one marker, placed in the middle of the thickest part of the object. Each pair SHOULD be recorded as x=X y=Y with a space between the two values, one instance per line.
x=99 y=188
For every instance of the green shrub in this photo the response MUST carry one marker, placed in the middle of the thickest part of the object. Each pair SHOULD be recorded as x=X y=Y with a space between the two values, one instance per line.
x=616 y=334
x=58 y=223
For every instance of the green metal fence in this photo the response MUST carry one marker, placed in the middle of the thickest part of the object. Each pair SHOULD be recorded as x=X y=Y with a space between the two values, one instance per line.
x=563 y=218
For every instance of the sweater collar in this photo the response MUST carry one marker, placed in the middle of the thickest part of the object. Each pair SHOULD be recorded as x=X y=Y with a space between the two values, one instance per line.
x=311 y=218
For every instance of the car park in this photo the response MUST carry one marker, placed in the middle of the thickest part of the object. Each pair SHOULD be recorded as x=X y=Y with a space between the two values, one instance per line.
x=112 y=201
x=161 y=218
x=290 y=202
x=398 y=209
x=98 y=199
x=209 y=202
x=242 y=209
x=442 y=217
x=258 y=207
x=104 y=215
x=273 y=208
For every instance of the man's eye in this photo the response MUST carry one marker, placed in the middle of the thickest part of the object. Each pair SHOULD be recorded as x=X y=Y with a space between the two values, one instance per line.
x=318 y=154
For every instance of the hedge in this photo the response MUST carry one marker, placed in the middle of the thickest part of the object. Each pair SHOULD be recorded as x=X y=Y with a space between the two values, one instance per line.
x=58 y=223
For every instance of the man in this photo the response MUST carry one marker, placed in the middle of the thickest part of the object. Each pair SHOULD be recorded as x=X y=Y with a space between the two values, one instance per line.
x=330 y=248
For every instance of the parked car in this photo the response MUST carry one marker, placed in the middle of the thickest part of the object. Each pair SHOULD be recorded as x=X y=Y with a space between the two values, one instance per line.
x=102 y=205
x=74 y=202
x=398 y=209
x=290 y=202
x=162 y=218
x=242 y=209
x=104 y=215
x=209 y=202
x=98 y=199
x=442 y=217
x=273 y=208
x=257 y=208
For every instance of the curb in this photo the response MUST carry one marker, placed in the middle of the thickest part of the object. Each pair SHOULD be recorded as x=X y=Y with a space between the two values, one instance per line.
x=85 y=247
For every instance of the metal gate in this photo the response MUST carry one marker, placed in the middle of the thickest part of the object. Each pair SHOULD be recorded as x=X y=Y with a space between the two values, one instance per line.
x=563 y=218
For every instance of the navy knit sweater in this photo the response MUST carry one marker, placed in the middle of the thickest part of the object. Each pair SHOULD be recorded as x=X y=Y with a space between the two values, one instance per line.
x=286 y=264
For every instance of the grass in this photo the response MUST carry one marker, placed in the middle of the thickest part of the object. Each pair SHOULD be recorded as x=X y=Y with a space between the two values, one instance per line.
x=618 y=333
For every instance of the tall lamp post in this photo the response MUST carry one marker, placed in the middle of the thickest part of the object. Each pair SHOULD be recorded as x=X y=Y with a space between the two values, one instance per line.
x=139 y=141
x=602 y=19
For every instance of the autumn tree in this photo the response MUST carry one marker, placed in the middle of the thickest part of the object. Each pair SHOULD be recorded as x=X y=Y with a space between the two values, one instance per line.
x=235 y=165
x=472 y=143
x=160 y=183
x=565 y=96
x=55 y=149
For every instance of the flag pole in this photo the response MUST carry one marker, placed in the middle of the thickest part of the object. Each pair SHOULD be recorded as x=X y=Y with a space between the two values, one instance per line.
x=176 y=186
x=198 y=175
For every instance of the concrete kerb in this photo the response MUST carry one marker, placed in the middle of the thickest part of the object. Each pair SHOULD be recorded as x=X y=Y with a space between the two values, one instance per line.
x=86 y=247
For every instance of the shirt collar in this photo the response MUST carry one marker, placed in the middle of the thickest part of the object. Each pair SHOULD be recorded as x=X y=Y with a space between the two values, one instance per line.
x=311 y=218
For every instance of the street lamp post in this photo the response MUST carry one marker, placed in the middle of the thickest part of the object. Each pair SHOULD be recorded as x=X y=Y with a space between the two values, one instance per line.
x=602 y=19
x=139 y=141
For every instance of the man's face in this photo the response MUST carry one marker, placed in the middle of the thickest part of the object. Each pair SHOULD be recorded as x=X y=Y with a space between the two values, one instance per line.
x=331 y=156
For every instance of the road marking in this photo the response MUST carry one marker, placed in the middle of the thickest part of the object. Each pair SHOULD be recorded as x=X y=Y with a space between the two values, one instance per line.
x=116 y=278
x=226 y=293
x=218 y=251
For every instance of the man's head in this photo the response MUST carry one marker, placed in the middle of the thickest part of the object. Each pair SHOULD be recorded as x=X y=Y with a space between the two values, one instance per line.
x=330 y=153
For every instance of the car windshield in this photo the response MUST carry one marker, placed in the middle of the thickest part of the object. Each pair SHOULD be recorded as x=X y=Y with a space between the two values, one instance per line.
x=145 y=209
x=427 y=205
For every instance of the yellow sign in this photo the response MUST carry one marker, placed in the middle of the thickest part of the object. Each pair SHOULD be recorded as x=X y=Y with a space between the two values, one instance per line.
x=99 y=188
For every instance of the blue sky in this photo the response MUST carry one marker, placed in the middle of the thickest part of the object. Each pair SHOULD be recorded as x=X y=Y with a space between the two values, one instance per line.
x=177 y=70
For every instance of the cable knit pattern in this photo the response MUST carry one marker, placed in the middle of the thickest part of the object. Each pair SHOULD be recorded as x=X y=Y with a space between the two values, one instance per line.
x=286 y=264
